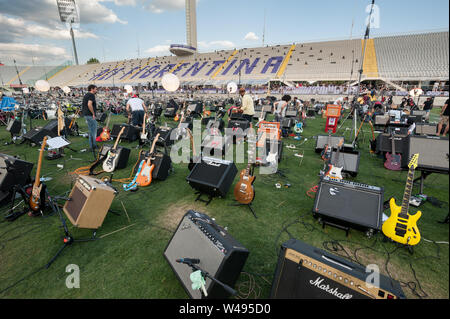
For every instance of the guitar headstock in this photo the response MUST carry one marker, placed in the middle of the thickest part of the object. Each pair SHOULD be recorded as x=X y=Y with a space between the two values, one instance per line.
x=414 y=161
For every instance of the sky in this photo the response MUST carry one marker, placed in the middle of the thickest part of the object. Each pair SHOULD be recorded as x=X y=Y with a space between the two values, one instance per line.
x=111 y=30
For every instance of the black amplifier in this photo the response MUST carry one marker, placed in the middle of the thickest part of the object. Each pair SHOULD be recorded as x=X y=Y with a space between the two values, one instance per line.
x=199 y=237
x=306 y=272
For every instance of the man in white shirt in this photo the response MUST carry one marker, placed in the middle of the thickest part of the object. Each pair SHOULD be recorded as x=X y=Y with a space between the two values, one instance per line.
x=136 y=109
x=247 y=107
x=281 y=107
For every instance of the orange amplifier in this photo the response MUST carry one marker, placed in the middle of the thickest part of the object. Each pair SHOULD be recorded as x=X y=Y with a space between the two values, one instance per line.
x=268 y=130
x=333 y=110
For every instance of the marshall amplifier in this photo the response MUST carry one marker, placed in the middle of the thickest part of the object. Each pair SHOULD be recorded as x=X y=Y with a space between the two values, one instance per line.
x=199 y=237
x=122 y=152
x=130 y=133
x=349 y=204
x=433 y=153
x=384 y=143
x=323 y=140
x=306 y=272
x=212 y=176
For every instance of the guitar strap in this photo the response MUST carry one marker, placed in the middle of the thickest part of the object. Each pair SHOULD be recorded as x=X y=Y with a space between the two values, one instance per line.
x=133 y=185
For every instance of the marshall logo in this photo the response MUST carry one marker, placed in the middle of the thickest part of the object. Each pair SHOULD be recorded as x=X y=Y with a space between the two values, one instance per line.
x=332 y=291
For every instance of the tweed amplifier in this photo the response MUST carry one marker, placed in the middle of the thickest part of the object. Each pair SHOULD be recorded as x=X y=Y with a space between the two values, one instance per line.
x=306 y=272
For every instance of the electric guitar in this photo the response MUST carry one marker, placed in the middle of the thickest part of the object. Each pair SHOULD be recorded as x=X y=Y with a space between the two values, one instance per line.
x=244 y=191
x=194 y=159
x=335 y=172
x=393 y=161
x=105 y=135
x=401 y=227
x=144 y=178
x=179 y=131
x=61 y=123
x=37 y=198
x=110 y=163
x=144 y=134
x=326 y=153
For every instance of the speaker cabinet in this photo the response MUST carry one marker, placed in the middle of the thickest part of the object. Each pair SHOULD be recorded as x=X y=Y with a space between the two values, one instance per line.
x=52 y=126
x=199 y=237
x=381 y=119
x=123 y=153
x=349 y=204
x=162 y=163
x=170 y=112
x=194 y=108
x=323 y=140
x=238 y=128
x=89 y=202
x=13 y=171
x=216 y=145
x=348 y=160
x=384 y=143
x=212 y=176
x=37 y=135
x=213 y=126
x=426 y=129
x=433 y=153
x=14 y=127
x=291 y=113
x=164 y=136
x=130 y=133
x=307 y=272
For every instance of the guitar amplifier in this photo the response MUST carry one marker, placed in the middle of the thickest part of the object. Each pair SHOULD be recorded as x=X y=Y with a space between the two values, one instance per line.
x=416 y=118
x=291 y=113
x=310 y=112
x=215 y=125
x=88 y=202
x=170 y=112
x=306 y=272
x=381 y=119
x=162 y=163
x=384 y=143
x=14 y=126
x=100 y=117
x=419 y=112
x=53 y=126
x=349 y=160
x=349 y=204
x=236 y=116
x=130 y=133
x=37 y=135
x=216 y=145
x=212 y=176
x=238 y=128
x=272 y=146
x=433 y=153
x=13 y=171
x=122 y=152
x=164 y=136
x=199 y=237
x=426 y=129
x=267 y=108
x=287 y=123
x=397 y=130
x=195 y=108
x=323 y=140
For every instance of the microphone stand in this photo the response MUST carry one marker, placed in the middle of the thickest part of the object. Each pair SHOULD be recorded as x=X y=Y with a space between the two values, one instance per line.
x=206 y=274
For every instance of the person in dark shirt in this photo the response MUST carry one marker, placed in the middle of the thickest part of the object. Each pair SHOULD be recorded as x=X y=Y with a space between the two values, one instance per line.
x=444 y=119
x=427 y=106
x=88 y=110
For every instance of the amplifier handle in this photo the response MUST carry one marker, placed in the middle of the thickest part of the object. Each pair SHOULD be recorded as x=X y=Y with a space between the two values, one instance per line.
x=336 y=262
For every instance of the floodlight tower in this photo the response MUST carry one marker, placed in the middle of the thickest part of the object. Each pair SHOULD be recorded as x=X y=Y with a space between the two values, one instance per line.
x=191 y=32
x=68 y=13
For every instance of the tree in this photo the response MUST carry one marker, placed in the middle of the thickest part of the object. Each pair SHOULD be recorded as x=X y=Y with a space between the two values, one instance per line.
x=93 y=60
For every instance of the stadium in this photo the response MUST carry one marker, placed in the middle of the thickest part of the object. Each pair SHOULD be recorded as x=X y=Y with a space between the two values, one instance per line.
x=349 y=120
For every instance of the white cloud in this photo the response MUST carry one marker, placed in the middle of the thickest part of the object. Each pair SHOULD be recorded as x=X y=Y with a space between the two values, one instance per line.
x=23 y=52
x=159 y=50
x=217 y=44
x=160 y=6
x=251 y=36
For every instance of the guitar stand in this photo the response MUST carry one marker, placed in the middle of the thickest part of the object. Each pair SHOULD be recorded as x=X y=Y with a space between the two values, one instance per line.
x=68 y=239
x=198 y=199
x=12 y=216
x=248 y=205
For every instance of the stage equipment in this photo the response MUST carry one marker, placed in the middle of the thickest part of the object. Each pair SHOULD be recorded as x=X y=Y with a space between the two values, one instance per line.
x=333 y=114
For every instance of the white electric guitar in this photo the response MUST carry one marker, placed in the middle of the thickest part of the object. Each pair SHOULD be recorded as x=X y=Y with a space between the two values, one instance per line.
x=335 y=172
x=110 y=163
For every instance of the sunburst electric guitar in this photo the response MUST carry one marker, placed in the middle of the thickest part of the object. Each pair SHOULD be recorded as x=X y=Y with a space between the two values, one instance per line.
x=144 y=178
x=36 y=202
x=105 y=135
x=244 y=191
x=401 y=227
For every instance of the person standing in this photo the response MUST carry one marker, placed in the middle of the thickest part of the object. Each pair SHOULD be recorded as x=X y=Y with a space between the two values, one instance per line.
x=444 y=119
x=88 y=110
x=281 y=107
x=427 y=106
x=247 y=107
x=136 y=109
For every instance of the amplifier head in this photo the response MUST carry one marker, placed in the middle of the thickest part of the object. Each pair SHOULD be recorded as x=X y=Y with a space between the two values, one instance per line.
x=199 y=237
x=306 y=272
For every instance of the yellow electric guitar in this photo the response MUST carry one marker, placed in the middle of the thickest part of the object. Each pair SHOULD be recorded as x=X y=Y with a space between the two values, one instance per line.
x=401 y=227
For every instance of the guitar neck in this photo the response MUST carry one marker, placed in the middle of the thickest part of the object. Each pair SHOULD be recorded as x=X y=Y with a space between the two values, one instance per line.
x=393 y=144
x=117 y=141
x=407 y=194
x=38 y=170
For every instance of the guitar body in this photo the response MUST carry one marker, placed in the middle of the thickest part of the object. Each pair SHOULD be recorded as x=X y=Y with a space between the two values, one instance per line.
x=399 y=229
x=109 y=165
x=244 y=191
x=105 y=135
x=393 y=162
x=37 y=198
x=145 y=176
x=334 y=172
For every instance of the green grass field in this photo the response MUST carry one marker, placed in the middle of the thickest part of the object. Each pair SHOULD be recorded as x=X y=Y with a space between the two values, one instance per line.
x=129 y=263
